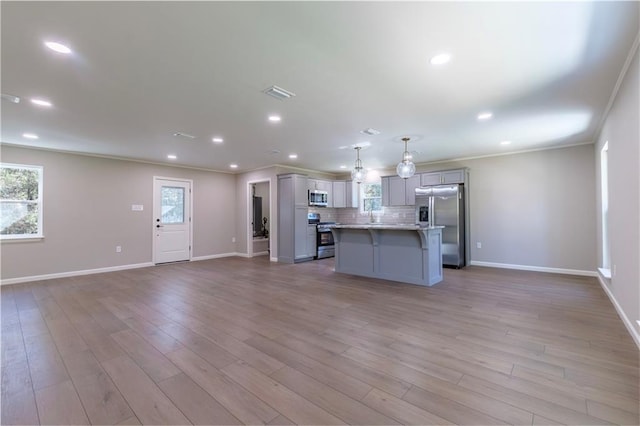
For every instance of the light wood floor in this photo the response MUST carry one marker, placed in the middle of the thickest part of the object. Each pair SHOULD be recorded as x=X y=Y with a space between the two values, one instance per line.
x=234 y=340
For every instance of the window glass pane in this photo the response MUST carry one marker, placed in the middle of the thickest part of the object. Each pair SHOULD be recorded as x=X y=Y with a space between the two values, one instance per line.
x=372 y=190
x=172 y=204
x=19 y=184
x=371 y=197
x=374 y=204
x=18 y=218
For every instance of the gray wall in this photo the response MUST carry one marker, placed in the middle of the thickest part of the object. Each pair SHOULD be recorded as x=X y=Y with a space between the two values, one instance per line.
x=621 y=130
x=87 y=212
x=535 y=209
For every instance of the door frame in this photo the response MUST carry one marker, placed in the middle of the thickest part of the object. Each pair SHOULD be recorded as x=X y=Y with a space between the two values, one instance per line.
x=249 y=227
x=153 y=207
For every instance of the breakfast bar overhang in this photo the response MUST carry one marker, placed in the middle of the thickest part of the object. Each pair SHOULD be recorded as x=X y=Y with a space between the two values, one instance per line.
x=405 y=253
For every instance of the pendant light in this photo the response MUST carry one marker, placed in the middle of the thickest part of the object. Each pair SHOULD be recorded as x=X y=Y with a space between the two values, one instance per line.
x=406 y=168
x=358 y=174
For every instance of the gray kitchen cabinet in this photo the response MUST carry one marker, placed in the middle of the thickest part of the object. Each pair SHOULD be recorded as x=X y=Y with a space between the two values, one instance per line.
x=292 y=218
x=410 y=189
x=384 y=190
x=427 y=179
x=397 y=191
x=352 y=194
x=339 y=194
x=311 y=240
x=443 y=177
x=397 y=196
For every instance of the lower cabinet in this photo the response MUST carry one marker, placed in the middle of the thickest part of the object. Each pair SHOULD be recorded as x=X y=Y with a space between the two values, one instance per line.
x=311 y=240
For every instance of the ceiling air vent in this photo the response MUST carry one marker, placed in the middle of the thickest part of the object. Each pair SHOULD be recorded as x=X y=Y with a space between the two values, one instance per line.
x=370 y=131
x=278 y=93
x=183 y=135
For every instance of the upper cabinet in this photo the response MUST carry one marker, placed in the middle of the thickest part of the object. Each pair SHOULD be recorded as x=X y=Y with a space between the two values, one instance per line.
x=401 y=192
x=339 y=193
x=445 y=177
x=397 y=191
x=345 y=194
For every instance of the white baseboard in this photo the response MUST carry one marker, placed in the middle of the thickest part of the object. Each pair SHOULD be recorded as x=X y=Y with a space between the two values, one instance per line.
x=214 y=256
x=625 y=320
x=260 y=253
x=19 y=280
x=74 y=273
x=536 y=268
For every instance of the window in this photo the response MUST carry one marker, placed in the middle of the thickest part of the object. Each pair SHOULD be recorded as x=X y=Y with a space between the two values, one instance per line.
x=371 y=197
x=20 y=201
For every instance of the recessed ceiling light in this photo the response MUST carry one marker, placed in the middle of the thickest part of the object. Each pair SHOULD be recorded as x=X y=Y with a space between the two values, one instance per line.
x=293 y=156
x=505 y=142
x=274 y=118
x=485 y=115
x=57 y=47
x=343 y=166
x=217 y=140
x=11 y=98
x=41 y=102
x=172 y=157
x=440 y=59
x=233 y=166
x=30 y=136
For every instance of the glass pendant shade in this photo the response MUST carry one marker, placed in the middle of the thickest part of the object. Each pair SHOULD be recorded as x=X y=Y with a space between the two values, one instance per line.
x=406 y=168
x=358 y=174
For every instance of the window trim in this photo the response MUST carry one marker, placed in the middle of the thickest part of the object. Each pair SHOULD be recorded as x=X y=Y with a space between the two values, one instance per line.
x=39 y=202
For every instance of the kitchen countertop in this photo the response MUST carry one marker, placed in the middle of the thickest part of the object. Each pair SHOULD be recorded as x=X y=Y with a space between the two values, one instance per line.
x=399 y=226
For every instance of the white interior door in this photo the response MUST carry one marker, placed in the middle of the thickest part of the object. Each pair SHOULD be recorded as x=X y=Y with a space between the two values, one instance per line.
x=171 y=220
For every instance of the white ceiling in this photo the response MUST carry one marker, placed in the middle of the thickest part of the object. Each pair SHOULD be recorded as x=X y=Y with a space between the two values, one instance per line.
x=142 y=71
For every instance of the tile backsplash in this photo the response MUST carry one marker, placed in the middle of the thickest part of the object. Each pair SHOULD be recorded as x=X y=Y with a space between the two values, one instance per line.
x=389 y=215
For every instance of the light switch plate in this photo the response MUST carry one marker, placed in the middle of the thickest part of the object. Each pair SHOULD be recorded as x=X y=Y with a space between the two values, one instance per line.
x=137 y=207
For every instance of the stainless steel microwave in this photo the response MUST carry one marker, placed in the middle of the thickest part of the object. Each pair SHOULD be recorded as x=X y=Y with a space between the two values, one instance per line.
x=318 y=198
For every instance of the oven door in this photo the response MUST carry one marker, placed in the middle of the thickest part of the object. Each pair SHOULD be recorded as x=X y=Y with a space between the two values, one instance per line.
x=325 y=243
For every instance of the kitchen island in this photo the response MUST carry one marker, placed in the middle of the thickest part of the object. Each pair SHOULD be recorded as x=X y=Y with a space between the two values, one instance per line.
x=405 y=253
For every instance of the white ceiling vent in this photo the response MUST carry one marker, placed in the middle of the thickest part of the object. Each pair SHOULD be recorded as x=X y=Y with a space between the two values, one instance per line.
x=183 y=135
x=278 y=93
x=370 y=131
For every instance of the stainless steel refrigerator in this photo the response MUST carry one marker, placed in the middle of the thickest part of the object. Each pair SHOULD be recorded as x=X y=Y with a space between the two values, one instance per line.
x=443 y=205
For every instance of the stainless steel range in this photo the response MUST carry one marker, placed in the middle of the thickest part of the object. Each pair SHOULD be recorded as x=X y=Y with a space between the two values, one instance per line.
x=324 y=238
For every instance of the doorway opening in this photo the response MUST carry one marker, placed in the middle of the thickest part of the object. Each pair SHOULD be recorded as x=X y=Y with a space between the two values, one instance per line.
x=259 y=218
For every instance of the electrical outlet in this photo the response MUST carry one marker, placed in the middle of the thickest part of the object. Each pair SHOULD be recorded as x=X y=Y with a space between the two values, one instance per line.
x=118 y=249
x=233 y=239
x=479 y=245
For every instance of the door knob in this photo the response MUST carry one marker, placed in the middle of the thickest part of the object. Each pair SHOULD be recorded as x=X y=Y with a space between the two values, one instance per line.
x=158 y=226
